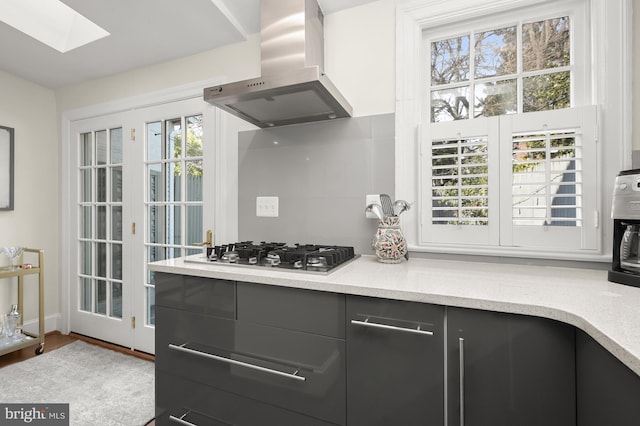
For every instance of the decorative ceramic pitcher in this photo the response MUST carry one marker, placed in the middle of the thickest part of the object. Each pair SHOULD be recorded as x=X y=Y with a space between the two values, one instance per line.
x=389 y=243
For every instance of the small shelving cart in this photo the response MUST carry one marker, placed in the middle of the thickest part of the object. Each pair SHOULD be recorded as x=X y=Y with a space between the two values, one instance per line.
x=26 y=339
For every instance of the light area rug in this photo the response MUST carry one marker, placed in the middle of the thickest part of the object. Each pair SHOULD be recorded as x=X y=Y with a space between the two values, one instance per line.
x=102 y=387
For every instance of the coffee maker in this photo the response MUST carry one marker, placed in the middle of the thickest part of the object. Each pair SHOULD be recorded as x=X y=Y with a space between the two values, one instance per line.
x=625 y=212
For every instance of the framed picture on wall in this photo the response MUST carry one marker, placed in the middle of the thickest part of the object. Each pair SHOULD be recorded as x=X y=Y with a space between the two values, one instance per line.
x=6 y=167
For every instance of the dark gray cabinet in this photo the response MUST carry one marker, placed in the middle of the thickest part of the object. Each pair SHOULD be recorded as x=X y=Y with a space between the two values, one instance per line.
x=608 y=391
x=231 y=353
x=506 y=370
x=395 y=369
x=243 y=354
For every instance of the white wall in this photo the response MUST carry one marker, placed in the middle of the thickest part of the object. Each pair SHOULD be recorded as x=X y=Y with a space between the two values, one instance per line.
x=235 y=62
x=360 y=56
x=30 y=109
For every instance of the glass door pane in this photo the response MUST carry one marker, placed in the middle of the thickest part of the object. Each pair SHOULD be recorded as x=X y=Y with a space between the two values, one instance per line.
x=100 y=212
x=174 y=202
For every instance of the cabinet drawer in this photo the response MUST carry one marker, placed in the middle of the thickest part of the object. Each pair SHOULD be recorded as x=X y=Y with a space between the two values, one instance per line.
x=196 y=294
x=309 y=311
x=297 y=371
x=400 y=316
x=395 y=371
x=202 y=405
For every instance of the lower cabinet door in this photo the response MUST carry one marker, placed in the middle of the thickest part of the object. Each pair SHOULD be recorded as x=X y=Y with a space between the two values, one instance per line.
x=506 y=370
x=183 y=402
x=608 y=391
x=395 y=358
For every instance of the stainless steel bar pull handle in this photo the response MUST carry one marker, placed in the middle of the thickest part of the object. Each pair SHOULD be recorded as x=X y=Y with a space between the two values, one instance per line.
x=181 y=421
x=461 y=344
x=367 y=323
x=182 y=348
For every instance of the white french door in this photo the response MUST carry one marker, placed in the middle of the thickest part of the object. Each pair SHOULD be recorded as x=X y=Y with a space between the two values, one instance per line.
x=139 y=179
x=101 y=249
x=172 y=203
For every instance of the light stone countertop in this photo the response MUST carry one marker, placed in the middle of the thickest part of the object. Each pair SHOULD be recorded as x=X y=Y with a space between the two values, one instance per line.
x=608 y=312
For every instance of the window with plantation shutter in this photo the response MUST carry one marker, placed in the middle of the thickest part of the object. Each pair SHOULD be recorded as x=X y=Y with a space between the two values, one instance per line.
x=508 y=148
x=555 y=77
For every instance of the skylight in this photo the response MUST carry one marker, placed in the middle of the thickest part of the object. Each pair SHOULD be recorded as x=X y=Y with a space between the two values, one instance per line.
x=51 y=22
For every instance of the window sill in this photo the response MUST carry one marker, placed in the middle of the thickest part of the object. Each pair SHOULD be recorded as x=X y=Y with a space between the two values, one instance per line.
x=483 y=252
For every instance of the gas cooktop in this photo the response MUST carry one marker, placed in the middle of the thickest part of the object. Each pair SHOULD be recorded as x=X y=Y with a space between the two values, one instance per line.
x=298 y=257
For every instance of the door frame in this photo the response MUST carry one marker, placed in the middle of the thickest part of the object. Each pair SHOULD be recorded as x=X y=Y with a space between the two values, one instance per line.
x=67 y=164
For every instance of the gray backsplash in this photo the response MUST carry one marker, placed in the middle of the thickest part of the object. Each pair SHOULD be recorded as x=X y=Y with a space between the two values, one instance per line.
x=321 y=173
x=635 y=159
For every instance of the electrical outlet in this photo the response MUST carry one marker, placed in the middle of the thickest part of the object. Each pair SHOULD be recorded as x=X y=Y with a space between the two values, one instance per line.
x=372 y=199
x=267 y=206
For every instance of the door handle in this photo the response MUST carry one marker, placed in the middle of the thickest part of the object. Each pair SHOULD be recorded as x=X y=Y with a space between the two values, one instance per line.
x=461 y=347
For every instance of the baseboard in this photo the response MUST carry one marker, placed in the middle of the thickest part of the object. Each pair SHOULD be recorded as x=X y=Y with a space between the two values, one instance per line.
x=51 y=323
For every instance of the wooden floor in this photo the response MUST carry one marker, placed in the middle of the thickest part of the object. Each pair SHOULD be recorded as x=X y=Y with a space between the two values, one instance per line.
x=55 y=340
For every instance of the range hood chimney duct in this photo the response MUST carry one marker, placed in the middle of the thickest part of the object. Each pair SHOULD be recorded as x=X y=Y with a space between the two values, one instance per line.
x=292 y=87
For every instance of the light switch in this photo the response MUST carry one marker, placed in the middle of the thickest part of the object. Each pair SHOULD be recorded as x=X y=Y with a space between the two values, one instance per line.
x=267 y=206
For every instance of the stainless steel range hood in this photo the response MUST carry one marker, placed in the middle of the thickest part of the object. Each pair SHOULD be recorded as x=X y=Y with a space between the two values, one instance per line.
x=293 y=87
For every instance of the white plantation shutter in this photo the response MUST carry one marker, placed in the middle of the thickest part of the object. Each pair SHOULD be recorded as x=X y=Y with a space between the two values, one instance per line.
x=512 y=181
x=459 y=170
x=549 y=179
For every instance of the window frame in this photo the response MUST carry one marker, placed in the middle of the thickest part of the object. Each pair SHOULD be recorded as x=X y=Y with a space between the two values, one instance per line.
x=607 y=84
x=578 y=67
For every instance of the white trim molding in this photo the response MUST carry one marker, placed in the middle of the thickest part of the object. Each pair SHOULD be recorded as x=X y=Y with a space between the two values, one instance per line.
x=431 y=13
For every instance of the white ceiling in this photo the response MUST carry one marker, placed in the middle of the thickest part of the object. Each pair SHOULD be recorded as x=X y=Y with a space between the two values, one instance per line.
x=143 y=32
